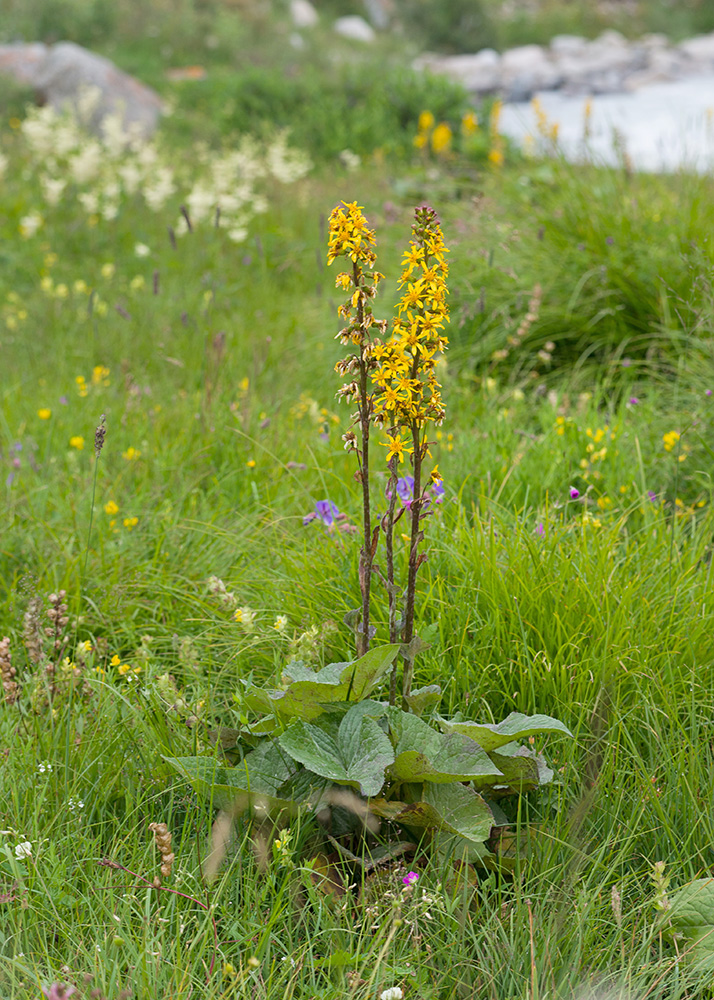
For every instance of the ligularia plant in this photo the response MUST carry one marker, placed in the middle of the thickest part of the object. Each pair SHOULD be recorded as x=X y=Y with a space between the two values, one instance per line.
x=332 y=740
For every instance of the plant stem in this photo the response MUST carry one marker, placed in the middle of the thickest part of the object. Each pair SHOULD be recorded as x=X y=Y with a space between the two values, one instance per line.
x=365 y=562
x=391 y=589
x=408 y=633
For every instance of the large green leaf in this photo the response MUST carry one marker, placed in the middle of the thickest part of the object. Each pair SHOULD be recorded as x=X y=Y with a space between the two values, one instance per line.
x=515 y=727
x=691 y=914
x=357 y=755
x=308 y=690
x=456 y=809
x=423 y=754
x=423 y=698
x=259 y=776
x=462 y=810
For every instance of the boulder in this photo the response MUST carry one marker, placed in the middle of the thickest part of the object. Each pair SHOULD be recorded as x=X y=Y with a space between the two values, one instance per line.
x=526 y=70
x=70 y=71
x=379 y=13
x=355 y=28
x=22 y=62
x=479 y=73
x=567 y=45
x=603 y=65
x=698 y=52
x=303 y=14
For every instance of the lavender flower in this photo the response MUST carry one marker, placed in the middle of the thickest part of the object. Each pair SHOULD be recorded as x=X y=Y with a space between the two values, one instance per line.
x=539 y=529
x=651 y=495
x=325 y=511
x=410 y=878
x=574 y=493
x=405 y=490
x=633 y=401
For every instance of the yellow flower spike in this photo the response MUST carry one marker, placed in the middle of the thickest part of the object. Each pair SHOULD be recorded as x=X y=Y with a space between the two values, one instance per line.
x=441 y=139
x=426 y=121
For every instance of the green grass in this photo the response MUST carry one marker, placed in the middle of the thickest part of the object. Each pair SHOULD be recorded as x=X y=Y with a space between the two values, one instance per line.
x=596 y=610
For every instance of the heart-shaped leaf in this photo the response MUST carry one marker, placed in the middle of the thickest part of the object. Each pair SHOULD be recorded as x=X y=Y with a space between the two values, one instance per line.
x=258 y=776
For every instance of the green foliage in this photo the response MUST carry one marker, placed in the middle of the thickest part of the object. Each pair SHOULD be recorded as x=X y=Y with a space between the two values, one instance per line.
x=459 y=26
x=382 y=752
x=328 y=108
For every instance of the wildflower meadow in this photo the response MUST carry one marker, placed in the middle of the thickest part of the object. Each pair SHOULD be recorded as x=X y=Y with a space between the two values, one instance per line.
x=355 y=552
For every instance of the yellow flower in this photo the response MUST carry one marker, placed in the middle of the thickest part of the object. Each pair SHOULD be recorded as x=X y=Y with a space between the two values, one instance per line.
x=44 y=413
x=251 y=463
x=426 y=121
x=469 y=123
x=108 y=270
x=76 y=441
x=115 y=661
x=441 y=138
x=670 y=439
x=396 y=447
x=124 y=668
x=61 y=291
x=130 y=522
x=131 y=454
x=495 y=157
x=111 y=508
x=80 y=286
x=100 y=375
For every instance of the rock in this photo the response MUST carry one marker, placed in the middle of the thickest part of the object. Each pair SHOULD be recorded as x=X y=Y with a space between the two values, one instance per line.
x=479 y=73
x=602 y=66
x=379 y=13
x=567 y=44
x=528 y=69
x=303 y=14
x=69 y=71
x=22 y=62
x=699 y=50
x=354 y=27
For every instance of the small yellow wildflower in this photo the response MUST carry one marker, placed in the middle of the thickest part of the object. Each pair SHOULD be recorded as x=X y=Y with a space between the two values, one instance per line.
x=280 y=623
x=495 y=157
x=426 y=121
x=251 y=463
x=670 y=439
x=111 y=508
x=441 y=138
x=396 y=447
x=108 y=270
x=76 y=441
x=469 y=123
x=130 y=522
x=100 y=375
x=44 y=413
x=115 y=661
x=80 y=287
x=131 y=454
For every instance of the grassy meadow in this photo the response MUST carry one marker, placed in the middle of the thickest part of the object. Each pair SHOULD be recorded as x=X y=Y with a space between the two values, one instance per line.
x=569 y=565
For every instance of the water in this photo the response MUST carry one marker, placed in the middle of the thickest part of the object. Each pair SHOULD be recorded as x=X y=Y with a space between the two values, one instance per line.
x=662 y=127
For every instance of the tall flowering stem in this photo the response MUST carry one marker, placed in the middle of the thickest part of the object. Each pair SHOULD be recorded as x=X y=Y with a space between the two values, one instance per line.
x=350 y=237
x=407 y=396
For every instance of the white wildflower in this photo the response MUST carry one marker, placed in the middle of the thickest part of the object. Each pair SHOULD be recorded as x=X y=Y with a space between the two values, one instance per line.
x=29 y=224
x=393 y=993
x=23 y=850
x=141 y=250
x=44 y=767
x=280 y=623
x=246 y=616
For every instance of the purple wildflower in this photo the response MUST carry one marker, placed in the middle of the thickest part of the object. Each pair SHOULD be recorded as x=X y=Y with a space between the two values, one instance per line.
x=539 y=529
x=405 y=490
x=438 y=490
x=64 y=401
x=58 y=991
x=574 y=493
x=651 y=495
x=708 y=392
x=325 y=511
x=633 y=401
x=410 y=878
x=609 y=240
